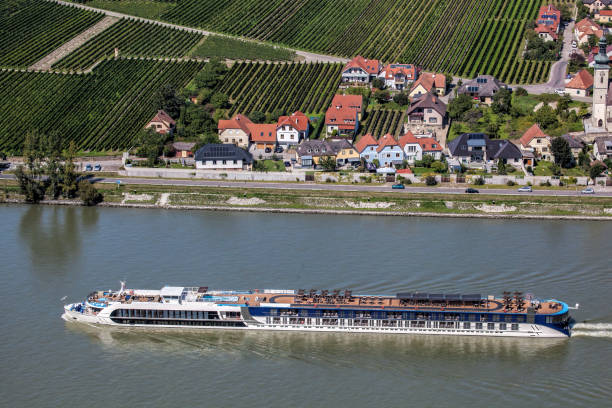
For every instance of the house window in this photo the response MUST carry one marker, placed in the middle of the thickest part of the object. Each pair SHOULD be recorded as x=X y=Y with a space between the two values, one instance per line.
x=396 y=154
x=214 y=162
x=388 y=155
x=282 y=137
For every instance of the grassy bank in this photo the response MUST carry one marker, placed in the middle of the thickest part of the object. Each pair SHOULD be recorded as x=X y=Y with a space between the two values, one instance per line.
x=355 y=202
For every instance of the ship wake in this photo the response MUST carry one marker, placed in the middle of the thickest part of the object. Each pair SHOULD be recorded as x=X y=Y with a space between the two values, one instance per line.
x=592 y=330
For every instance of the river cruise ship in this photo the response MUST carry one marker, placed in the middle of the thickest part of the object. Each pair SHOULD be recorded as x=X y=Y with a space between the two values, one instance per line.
x=512 y=314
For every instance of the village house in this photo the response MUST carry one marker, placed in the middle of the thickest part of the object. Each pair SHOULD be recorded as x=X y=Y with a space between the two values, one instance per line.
x=398 y=76
x=235 y=130
x=345 y=152
x=360 y=70
x=290 y=130
x=482 y=88
x=343 y=115
x=366 y=147
x=586 y=28
x=430 y=147
x=477 y=150
x=537 y=142
x=596 y=5
x=183 y=150
x=604 y=16
x=428 y=83
x=427 y=110
x=390 y=154
x=576 y=144
x=548 y=22
x=602 y=148
x=223 y=157
x=263 y=135
x=581 y=84
x=594 y=52
x=309 y=152
x=161 y=123
x=411 y=147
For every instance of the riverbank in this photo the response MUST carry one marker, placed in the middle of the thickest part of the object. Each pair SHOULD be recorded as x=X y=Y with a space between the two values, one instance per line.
x=406 y=204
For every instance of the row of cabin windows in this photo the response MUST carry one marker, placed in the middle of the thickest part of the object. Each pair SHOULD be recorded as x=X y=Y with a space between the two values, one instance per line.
x=210 y=323
x=446 y=316
x=165 y=314
x=225 y=162
x=390 y=323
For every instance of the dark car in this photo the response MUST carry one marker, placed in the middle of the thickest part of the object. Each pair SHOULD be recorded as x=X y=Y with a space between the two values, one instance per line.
x=471 y=190
x=278 y=149
x=97 y=167
x=287 y=164
x=268 y=150
x=88 y=167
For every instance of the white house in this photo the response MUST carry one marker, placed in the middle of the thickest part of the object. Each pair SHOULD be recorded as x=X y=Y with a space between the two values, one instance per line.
x=290 y=130
x=223 y=157
x=360 y=70
x=411 y=147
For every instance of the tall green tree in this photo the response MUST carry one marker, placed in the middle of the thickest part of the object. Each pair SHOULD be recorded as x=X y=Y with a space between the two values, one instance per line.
x=502 y=101
x=560 y=148
x=328 y=163
x=459 y=105
x=168 y=100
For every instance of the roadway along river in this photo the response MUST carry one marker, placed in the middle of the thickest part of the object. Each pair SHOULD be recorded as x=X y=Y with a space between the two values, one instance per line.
x=52 y=252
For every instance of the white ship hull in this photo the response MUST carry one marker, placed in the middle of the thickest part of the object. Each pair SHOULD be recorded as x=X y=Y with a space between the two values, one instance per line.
x=259 y=323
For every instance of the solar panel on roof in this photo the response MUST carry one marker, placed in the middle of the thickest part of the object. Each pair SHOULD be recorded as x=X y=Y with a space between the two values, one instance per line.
x=436 y=297
x=405 y=295
x=421 y=296
x=453 y=298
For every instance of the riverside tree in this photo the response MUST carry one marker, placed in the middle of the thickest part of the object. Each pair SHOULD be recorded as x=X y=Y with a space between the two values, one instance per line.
x=560 y=148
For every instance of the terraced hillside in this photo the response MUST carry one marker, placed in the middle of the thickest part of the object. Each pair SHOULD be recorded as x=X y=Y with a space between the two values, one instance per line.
x=379 y=122
x=31 y=29
x=103 y=110
x=462 y=37
x=289 y=87
x=131 y=39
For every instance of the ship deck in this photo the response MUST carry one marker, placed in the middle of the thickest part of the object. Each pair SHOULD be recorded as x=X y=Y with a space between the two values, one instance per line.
x=260 y=298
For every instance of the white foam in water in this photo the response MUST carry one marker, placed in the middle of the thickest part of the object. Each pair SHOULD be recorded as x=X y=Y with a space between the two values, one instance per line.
x=592 y=330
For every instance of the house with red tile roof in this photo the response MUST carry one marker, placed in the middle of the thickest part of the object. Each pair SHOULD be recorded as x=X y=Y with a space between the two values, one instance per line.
x=235 y=130
x=290 y=130
x=536 y=141
x=161 y=123
x=348 y=101
x=389 y=151
x=548 y=22
x=431 y=147
x=263 y=135
x=398 y=76
x=581 y=84
x=604 y=16
x=366 y=147
x=586 y=28
x=596 y=5
x=428 y=82
x=411 y=147
x=343 y=115
x=360 y=70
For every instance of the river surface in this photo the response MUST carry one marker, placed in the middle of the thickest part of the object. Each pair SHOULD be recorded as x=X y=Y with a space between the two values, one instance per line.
x=51 y=252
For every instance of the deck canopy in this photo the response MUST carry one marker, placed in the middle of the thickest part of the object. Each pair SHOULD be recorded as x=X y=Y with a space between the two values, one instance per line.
x=172 y=291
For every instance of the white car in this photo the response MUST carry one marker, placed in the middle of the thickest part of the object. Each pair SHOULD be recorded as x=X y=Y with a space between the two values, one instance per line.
x=560 y=91
x=574 y=44
x=525 y=189
x=588 y=190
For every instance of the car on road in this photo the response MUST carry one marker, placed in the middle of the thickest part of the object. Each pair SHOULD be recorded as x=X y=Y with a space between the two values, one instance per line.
x=88 y=167
x=471 y=190
x=525 y=189
x=278 y=149
x=560 y=91
x=574 y=44
x=287 y=164
x=97 y=167
x=398 y=186
x=588 y=190
x=268 y=150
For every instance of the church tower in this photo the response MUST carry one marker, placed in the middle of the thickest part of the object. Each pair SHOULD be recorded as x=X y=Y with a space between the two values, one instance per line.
x=600 y=86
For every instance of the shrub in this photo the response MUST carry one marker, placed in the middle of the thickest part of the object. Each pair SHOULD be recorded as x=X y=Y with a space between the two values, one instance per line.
x=545 y=183
x=431 y=181
x=89 y=194
x=407 y=181
x=510 y=183
x=479 y=181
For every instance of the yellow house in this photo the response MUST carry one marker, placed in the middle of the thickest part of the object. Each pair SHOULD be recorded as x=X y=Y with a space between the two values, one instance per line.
x=536 y=141
x=345 y=151
x=604 y=16
x=428 y=83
